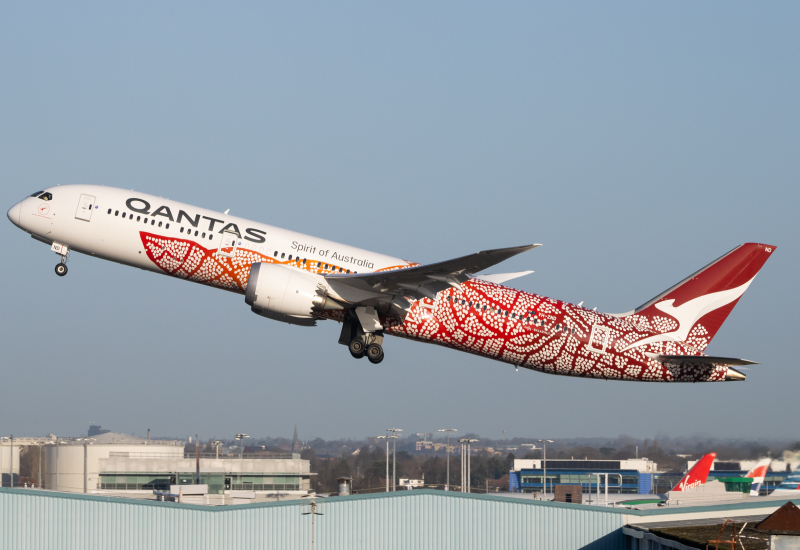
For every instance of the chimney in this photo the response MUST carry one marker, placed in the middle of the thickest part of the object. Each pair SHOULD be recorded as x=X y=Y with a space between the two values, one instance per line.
x=148 y=434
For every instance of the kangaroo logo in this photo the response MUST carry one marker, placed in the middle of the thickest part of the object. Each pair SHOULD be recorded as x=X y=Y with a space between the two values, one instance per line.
x=690 y=312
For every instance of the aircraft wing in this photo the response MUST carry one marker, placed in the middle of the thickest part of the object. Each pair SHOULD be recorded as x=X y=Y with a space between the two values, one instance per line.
x=699 y=360
x=428 y=279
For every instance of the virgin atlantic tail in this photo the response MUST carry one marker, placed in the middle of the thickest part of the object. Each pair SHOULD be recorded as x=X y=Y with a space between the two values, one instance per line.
x=697 y=475
x=696 y=307
x=758 y=473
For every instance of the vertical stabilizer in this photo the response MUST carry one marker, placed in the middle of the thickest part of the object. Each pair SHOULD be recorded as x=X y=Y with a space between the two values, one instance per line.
x=693 y=310
x=758 y=473
x=697 y=475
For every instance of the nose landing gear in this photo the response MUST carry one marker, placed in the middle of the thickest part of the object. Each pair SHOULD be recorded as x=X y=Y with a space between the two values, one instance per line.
x=63 y=251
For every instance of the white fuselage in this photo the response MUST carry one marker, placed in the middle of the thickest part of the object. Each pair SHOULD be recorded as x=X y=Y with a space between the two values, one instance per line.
x=118 y=217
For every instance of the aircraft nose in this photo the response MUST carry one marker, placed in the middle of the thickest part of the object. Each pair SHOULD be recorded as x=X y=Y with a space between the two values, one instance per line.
x=14 y=212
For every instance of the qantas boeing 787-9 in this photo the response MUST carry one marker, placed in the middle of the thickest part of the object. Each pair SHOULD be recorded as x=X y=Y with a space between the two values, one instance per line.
x=299 y=279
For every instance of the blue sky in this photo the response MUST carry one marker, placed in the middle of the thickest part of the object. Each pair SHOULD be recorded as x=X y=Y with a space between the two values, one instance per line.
x=636 y=141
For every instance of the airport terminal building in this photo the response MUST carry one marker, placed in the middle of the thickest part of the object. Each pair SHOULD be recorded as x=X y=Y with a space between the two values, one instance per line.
x=632 y=476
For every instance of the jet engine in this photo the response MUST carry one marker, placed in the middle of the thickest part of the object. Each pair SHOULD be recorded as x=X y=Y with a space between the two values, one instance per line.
x=286 y=294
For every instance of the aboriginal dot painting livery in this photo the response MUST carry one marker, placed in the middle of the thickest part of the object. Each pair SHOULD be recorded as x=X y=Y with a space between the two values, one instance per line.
x=299 y=279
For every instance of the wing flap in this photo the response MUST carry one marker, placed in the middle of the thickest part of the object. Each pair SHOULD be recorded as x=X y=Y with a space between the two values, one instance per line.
x=499 y=278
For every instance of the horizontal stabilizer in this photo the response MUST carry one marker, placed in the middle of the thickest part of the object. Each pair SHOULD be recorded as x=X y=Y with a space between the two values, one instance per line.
x=699 y=360
x=499 y=278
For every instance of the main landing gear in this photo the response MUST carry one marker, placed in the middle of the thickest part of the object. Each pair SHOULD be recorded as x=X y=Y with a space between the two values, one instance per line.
x=361 y=343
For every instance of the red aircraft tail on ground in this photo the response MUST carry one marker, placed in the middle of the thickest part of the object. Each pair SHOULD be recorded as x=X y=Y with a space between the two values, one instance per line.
x=697 y=475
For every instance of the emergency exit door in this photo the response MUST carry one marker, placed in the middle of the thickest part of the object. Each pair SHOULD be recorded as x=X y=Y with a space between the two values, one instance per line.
x=85 y=207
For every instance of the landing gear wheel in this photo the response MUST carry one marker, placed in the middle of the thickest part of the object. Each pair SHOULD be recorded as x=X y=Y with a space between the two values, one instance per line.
x=356 y=348
x=375 y=353
x=61 y=269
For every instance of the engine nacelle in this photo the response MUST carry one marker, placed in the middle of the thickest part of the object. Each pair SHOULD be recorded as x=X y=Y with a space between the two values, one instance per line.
x=286 y=294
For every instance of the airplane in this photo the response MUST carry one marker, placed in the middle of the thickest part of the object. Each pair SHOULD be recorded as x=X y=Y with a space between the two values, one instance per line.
x=758 y=473
x=300 y=279
x=697 y=475
x=790 y=486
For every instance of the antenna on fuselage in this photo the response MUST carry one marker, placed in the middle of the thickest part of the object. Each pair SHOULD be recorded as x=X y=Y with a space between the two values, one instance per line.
x=228 y=210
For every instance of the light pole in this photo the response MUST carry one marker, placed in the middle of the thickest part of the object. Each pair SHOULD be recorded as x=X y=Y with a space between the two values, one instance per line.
x=469 y=464
x=394 y=455
x=1 y=459
x=217 y=445
x=241 y=438
x=312 y=513
x=544 y=443
x=448 y=430
x=466 y=474
x=387 y=438
x=11 y=460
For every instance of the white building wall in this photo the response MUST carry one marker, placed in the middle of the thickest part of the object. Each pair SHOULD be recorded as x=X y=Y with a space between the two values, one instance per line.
x=9 y=461
x=65 y=463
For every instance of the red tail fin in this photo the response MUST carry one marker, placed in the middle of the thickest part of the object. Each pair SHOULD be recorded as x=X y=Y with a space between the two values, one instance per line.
x=697 y=475
x=693 y=310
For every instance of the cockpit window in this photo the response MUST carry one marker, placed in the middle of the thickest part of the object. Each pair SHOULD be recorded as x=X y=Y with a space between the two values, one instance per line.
x=46 y=196
x=37 y=194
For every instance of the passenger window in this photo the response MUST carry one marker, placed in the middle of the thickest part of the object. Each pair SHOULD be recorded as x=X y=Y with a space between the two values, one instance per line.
x=123 y=214
x=116 y=212
x=348 y=271
x=210 y=236
x=326 y=266
x=558 y=327
x=138 y=218
x=448 y=298
x=109 y=211
x=181 y=229
x=304 y=261
x=152 y=222
x=196 y=233
x=167 y=226
x=276 y=253
x=283 y=255
x=159 y=224
x=290 y=257
x=506 y=314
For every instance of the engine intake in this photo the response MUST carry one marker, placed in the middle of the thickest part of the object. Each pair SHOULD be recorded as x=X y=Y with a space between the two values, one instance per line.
x=286 y=294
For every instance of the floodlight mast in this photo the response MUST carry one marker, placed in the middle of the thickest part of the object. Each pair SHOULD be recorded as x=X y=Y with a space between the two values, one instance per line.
x=448 y=430
x=544 y=443
x=386 y=437
x=394 y=455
